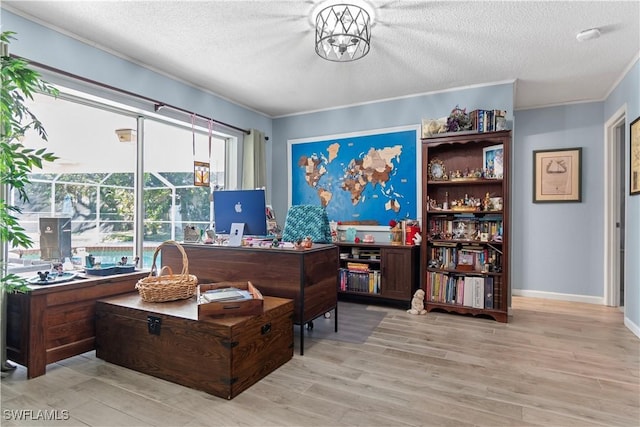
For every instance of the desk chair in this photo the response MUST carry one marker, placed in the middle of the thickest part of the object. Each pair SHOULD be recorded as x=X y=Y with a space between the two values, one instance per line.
x=306 y=220
x=312 y=221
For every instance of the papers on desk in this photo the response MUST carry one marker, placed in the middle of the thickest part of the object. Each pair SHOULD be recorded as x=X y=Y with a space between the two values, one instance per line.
x=226 y=294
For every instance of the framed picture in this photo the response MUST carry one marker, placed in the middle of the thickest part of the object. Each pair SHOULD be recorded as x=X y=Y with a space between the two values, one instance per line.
x=492 y=158
x=557 y=175
x=634 y=157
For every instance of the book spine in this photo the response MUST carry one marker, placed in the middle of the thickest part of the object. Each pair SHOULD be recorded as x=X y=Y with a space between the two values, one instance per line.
x=473 y=116
x=488 y=293
x=478 y=292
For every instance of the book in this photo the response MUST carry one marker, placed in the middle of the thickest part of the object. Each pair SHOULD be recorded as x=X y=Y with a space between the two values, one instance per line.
x=357 y=266
x=488 y=293
x=478 y=292
x=467 y=298
x=226 y=294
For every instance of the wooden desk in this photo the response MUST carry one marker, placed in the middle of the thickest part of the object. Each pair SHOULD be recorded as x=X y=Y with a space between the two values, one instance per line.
x=221 y=356
x=54 y=322
x=309 y=277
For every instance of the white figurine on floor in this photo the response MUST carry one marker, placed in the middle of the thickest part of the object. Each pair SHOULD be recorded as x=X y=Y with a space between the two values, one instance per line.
x=417 y=303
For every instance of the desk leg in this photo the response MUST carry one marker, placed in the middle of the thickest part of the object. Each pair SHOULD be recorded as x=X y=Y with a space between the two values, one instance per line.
x=302 y=326
x=37 y=353
x=336 y=318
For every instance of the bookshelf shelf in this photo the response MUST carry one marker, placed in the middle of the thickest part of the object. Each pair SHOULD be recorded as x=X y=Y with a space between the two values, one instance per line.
x=454 y=242
x=497 y=315
x=474 y=213
x=469 y=182
x=465 y=272
x=366 y=261
x=464 y=257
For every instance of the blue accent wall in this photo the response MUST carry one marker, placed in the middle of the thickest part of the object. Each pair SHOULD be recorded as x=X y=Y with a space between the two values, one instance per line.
x=558 y=247
x=380 y=115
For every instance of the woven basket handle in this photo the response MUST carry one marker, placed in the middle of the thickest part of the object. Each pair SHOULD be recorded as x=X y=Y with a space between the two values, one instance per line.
x=166 y=271
x=185 y=260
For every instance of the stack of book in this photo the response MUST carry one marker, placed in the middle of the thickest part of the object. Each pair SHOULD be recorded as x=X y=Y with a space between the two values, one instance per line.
x=468 y=291
x=357 y=277
x=488 y=120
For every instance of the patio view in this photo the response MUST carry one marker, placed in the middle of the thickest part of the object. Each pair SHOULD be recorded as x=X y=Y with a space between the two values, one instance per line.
x=89 y=192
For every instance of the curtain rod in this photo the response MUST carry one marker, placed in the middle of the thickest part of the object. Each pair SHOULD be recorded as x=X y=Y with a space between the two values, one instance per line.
x=157 y=105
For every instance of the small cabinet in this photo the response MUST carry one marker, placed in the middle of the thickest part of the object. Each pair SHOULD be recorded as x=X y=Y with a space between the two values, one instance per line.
x=378 y=272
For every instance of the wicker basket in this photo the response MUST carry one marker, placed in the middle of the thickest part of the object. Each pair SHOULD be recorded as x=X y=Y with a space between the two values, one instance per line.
x=168 y=287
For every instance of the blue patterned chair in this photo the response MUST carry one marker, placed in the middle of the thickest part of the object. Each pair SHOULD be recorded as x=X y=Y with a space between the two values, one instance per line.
x=306 y=220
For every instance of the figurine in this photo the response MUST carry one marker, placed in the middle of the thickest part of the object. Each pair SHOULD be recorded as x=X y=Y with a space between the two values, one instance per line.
x=486 y=202
x=417 y=239
x=417 y=303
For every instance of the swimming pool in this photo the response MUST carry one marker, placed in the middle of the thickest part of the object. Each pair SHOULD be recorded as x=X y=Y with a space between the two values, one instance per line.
x=107 y=254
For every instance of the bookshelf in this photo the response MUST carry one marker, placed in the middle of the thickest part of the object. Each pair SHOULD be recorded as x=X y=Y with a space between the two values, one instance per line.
x=380 y=272
x=465 y=247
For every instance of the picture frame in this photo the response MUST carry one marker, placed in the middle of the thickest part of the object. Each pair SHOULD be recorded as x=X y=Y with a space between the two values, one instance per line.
x=557 y=175
x=634 y=157
x=493 y=161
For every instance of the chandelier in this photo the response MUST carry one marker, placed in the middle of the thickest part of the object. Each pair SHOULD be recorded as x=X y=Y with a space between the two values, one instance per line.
x=343 y=32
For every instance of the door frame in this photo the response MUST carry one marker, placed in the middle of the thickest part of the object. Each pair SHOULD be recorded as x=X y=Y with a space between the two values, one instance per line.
x=611 y=207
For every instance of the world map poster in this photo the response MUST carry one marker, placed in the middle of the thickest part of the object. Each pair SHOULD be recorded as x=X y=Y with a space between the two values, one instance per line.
x=366 y=178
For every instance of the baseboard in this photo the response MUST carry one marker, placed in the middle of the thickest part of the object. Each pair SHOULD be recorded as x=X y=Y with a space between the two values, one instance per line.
x=635 y=329
x=558 y=296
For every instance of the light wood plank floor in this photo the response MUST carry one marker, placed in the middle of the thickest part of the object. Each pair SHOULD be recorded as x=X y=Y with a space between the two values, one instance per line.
x=554 y=364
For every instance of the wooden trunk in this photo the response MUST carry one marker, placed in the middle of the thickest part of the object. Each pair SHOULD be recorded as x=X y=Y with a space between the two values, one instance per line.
x=222 y=356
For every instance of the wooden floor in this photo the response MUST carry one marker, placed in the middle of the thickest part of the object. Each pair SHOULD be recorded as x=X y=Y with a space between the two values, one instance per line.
x=554 y=364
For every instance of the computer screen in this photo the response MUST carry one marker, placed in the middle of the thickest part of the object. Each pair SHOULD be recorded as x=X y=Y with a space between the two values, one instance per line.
x=246 y=206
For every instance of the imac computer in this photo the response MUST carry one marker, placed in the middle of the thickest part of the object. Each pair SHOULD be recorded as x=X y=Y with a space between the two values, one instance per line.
x=240 y=206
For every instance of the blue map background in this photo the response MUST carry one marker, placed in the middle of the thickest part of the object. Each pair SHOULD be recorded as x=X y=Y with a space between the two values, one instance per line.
x=400 y=186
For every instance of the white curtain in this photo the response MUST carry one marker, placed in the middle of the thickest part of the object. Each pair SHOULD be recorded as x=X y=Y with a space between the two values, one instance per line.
x=254 y=161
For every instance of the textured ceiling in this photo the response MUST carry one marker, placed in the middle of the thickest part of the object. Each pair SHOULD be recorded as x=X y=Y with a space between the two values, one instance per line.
x=260 y=54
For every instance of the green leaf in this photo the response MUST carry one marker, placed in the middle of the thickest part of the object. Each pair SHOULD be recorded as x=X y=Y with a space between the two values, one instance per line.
x=18 y=83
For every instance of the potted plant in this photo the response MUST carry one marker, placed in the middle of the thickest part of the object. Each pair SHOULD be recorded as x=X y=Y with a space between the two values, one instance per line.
x=19 y=83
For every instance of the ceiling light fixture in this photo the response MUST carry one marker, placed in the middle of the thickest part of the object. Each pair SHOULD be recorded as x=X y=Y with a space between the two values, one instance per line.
x=343 y=32
x=590 y=34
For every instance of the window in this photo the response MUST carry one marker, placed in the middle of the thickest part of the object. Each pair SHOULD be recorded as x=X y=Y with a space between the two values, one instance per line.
x=172 y=201
x=93 y=181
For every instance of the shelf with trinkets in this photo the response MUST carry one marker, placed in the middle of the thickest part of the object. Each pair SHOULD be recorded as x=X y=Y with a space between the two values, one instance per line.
x=466 y=223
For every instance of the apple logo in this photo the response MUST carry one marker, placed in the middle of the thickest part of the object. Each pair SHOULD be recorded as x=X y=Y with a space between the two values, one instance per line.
x=238 y=207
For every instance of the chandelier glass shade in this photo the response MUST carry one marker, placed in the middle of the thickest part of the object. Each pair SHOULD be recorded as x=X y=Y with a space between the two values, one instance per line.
x=343 y=33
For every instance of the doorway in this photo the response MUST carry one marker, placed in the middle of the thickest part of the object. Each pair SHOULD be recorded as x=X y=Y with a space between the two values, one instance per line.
x=615 y=208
